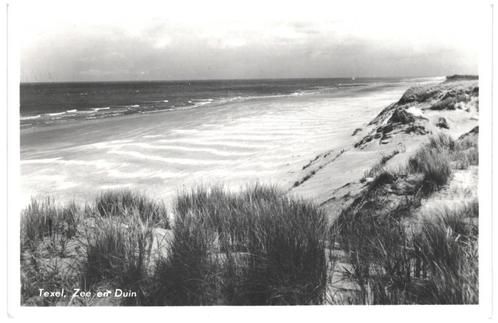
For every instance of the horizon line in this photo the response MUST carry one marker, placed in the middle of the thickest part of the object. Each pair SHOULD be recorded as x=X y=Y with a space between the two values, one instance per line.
x=241 y=79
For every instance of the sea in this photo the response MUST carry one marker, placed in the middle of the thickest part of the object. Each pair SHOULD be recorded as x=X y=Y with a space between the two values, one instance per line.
x=50 y=103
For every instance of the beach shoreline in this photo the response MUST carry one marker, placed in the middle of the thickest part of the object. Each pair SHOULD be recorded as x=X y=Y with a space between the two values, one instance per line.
x=65 y=102
x=231 y=133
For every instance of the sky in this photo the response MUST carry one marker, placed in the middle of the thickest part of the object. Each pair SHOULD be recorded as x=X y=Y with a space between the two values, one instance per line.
x=218 y=39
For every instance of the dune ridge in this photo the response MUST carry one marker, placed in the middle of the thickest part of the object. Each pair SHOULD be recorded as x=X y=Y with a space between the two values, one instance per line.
x=334 y=177
x=411 y=168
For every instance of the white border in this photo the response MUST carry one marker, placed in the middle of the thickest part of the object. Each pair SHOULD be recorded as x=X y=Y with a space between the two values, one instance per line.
x=468 y=313
x=485 y=164
x=3 y=136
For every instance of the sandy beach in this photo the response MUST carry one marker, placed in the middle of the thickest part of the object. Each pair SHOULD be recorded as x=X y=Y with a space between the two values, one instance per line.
x=265 y=140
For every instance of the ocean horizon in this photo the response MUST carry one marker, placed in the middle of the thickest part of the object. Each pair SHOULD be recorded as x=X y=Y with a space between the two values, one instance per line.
x=46 y=103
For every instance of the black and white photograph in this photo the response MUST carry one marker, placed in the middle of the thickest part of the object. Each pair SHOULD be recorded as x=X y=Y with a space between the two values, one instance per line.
x=242 y=153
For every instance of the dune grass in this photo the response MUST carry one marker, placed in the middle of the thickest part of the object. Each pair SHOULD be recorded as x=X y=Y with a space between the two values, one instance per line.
x=396 y=262
x=467 y=152
x=47 y=231
x=118 y=242
x=107 y=244
x=125 y=202
x=433 y=160
x=377 y=251
x=256 y=247
x=45 y=219
x=117 y=254
x=253 y=247
x=435 y=263
x=447 y=246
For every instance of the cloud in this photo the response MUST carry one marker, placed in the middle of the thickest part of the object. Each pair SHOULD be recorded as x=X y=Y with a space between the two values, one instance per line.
x=162 y=42
x=222 y=40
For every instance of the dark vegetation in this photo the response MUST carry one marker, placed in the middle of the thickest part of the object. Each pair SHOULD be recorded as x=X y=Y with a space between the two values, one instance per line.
x=457 y=93
x=104 y=245
x=318 y=168
x=442 y=123
x=252 y=248
x=256 y=247
x=394 y=261
x=43 y=221
x=356 y=131
x=305 y=178
x=117 y=254
x=434 y=263
x=379 y=167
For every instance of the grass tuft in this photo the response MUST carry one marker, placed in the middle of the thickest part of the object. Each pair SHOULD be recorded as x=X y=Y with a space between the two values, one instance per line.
x=44 y=219
x=125 y=202
x=433 y=160
x=256 y=247
x=437 y=263
x=447 y=246
x=118 y=253
x=47 y=230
